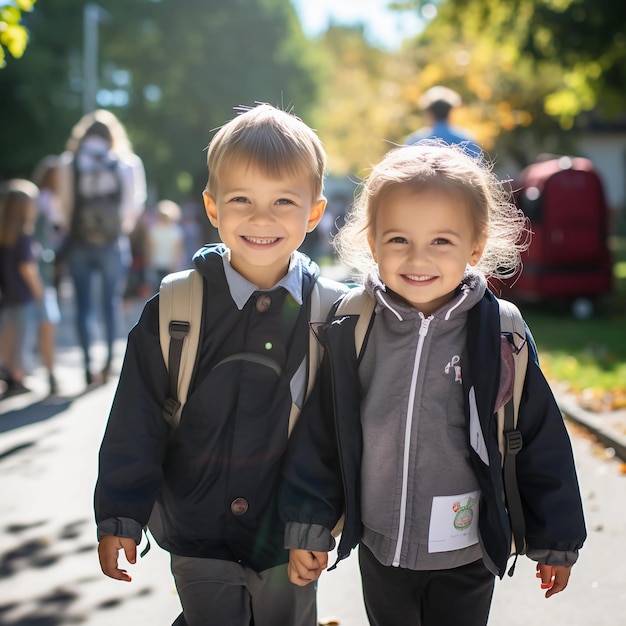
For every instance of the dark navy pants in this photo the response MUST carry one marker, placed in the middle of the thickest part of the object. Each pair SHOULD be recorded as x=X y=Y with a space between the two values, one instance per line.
x=396 y=596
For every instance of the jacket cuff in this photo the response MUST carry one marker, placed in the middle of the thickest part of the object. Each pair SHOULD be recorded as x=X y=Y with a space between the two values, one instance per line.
x=313 y=537
x=553 y=557
x=120 y=527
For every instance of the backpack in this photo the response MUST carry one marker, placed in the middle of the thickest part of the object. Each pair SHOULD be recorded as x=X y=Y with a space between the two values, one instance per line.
x=512 y=327
x=96 y=218
x=180 y=322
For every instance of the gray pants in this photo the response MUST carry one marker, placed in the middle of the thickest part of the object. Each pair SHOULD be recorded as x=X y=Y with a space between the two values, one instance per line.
x=219 y=593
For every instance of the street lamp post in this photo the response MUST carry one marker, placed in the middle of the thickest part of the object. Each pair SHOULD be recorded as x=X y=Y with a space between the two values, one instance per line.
x=92 y=15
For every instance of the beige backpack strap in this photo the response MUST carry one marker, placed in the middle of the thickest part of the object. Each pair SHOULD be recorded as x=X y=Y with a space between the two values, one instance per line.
x=509 y=437
x=180 y=320
x=511 y=322
x=323 y=295
x=358 y=302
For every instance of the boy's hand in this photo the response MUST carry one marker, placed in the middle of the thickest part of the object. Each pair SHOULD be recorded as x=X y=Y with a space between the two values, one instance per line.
x=553 y=578
x=108 y=552
x=306 y=566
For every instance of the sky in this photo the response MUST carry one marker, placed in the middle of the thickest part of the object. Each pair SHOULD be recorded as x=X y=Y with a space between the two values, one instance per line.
x=383 y=27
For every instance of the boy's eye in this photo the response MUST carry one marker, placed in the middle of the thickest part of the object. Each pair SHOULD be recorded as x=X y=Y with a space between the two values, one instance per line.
x=284 y=201
x=441 y=241
x=241 y=199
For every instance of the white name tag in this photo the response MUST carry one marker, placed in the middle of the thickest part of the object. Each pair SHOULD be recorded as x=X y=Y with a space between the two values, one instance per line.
x=453 y=522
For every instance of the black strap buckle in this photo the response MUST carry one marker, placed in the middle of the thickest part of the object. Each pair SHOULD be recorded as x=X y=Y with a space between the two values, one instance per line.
x=170 y=407
x=178 y=330
x=513 y=441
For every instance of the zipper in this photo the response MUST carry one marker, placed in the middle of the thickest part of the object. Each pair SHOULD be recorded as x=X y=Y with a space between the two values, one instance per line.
x=407 y=437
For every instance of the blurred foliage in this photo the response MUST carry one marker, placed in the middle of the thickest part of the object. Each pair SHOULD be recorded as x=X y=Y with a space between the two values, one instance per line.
x=528 y=72
x=13 y=36
x=172 y=72
x=529 y=68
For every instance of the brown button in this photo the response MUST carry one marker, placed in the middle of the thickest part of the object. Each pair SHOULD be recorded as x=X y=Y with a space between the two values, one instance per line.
x=263 y=303
x=238 y=506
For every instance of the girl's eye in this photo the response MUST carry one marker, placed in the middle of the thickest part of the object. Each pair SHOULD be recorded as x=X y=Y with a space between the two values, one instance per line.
x=440 y=241
x=397 y=240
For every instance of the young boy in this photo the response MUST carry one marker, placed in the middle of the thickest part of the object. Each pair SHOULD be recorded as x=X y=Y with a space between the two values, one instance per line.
x=208 y=487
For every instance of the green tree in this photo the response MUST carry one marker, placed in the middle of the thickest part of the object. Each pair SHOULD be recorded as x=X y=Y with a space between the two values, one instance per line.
x=171 y=71
x=579 y=45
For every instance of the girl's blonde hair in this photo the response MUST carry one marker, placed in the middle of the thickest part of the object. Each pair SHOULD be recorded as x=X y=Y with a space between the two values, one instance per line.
x=17 y=211
x=435 y=165
x=274 y=140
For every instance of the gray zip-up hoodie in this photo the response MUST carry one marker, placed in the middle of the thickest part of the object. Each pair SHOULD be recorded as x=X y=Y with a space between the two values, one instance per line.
x=413 y=421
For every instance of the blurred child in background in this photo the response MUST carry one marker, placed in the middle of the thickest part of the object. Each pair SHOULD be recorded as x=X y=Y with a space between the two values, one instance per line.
x=20 y=282
x=166 y=243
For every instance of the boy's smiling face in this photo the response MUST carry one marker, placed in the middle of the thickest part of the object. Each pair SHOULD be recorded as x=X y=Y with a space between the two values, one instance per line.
x=262 y=220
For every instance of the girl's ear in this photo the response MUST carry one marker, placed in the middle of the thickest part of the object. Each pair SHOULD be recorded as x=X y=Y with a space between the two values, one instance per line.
x=477 y=252
x=372 y=244
x=210 y=207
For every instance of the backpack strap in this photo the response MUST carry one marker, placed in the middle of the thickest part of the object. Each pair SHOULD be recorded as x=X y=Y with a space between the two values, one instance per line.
x=180 y=317
x=358 y=302
x=509 y=438
x=323 y=296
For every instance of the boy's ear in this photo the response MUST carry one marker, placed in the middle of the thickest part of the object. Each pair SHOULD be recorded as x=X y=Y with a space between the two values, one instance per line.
x=315 y=215
x=210 y=207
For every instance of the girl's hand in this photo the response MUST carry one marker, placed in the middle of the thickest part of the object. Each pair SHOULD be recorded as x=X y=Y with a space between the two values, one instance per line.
x=306 y=566
x=553 y=578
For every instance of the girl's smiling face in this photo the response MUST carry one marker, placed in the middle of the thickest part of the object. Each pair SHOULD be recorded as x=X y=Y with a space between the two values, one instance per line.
x=422 y=242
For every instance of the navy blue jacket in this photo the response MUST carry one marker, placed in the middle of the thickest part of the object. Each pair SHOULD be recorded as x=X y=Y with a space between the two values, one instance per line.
x=208 y=487
x=322 y=468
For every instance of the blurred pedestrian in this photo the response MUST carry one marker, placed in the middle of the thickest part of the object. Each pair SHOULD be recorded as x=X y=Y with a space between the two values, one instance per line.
x=166 y=243
x=437 y=104
x=102 y=191
x=20 y=284
x=49 y=237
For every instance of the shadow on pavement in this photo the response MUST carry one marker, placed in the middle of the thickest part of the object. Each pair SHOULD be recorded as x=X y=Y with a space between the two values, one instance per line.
x=69 y=602
x=36 y=412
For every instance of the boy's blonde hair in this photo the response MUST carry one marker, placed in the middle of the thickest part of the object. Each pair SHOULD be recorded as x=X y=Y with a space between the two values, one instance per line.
x=273 y=140
x=17 y=214
x=436 y=165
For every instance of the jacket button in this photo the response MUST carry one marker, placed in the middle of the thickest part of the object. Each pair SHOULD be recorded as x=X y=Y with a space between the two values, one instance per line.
x=238 y=506
x=263 y=303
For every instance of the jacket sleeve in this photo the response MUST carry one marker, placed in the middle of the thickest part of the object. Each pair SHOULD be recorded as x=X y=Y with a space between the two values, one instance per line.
x=133 y=447
x=555 y=526
x=311 y=493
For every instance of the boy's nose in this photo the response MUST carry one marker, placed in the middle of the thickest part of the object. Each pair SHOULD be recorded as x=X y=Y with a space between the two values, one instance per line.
x=262 y=215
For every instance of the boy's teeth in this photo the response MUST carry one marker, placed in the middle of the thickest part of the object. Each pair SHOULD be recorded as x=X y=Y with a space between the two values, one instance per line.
x=418 y=278
x=260 y=241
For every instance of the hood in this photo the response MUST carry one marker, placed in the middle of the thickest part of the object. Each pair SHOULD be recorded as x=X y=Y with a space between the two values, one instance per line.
x=467 y=294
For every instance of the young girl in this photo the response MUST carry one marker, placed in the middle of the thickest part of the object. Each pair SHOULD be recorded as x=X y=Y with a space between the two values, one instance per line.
x=402 y=437
x=20 y=282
